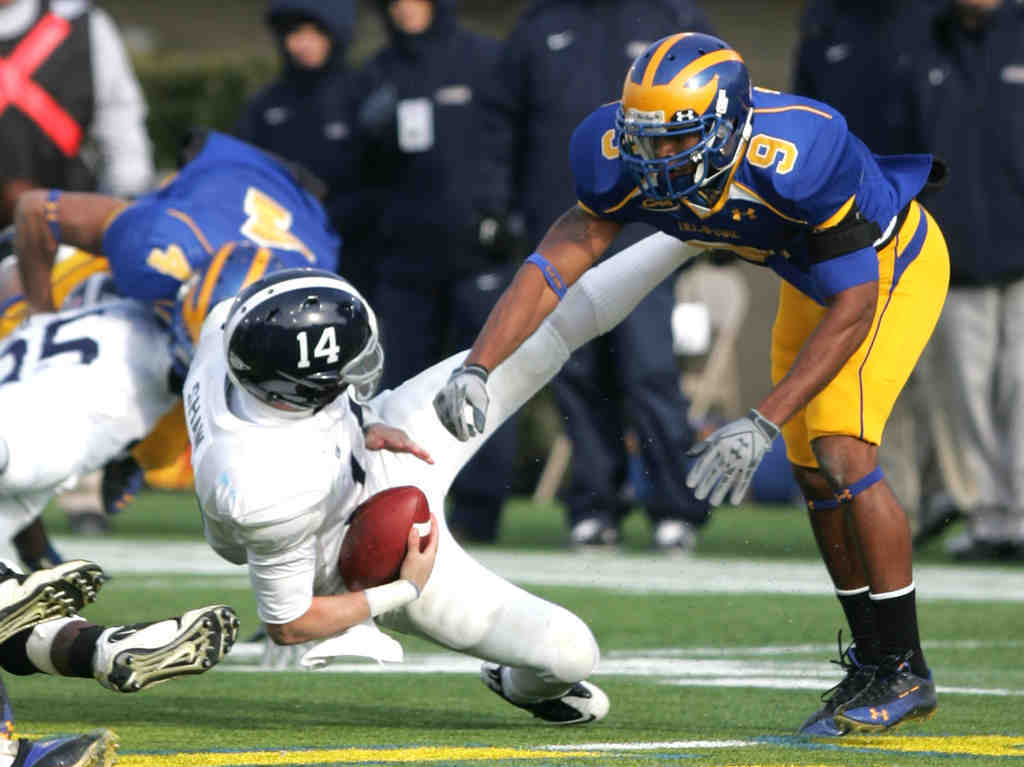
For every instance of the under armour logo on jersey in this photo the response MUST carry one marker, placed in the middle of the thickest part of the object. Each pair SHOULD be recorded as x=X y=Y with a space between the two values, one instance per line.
x=936 y=76
x=561 y=40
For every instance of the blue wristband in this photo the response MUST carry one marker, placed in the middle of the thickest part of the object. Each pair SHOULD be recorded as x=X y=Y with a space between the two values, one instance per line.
x=51 y=212
x=554 y=279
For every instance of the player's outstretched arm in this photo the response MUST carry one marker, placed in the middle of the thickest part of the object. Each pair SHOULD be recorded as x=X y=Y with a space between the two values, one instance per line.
x=572 y=245
x=46 y=218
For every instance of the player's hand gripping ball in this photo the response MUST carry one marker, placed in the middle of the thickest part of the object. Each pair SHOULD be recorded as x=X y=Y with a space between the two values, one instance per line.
x=375 y=544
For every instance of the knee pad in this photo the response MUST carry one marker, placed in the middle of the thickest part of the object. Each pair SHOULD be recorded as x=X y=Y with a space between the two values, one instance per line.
x=847 y=494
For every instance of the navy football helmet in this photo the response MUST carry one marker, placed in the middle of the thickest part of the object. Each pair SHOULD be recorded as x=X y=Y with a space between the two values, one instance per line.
x=302 y=336
x=684 y=117
x=234 y=266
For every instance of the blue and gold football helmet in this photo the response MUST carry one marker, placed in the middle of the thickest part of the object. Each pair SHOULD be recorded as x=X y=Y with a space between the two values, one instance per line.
x=684 y=116
x=234 y=266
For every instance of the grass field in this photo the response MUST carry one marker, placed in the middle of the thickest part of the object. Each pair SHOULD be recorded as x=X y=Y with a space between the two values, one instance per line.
x=695 y=676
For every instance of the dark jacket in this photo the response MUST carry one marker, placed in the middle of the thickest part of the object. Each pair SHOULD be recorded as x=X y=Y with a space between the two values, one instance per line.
x=563 y=60
x=307 y=116
x=854 y=55
x=968 y=108
x=422 y=184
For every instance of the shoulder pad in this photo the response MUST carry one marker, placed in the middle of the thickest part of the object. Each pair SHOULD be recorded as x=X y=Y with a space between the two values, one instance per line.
x=812 y=132
x=601 y=179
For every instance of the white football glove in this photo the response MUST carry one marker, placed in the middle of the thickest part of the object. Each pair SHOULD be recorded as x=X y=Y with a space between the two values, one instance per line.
x=729 y=457
x=462 y=402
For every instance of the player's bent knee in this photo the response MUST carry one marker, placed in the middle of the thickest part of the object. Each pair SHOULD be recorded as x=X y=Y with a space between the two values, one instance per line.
x=576 y=653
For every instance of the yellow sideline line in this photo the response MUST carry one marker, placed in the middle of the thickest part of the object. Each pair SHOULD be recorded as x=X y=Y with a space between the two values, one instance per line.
x=338 y=755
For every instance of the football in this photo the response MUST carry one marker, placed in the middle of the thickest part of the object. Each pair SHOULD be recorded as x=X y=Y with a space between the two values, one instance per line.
x=375 y=543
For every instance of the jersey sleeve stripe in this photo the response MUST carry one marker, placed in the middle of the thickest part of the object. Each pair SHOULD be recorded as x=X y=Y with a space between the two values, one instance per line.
x=187 y=220
x=801 y=107
x=194 y=315
x=587 y=209
x=258 y=266
x=619 y=206
x=114 y=214
x=836 y=217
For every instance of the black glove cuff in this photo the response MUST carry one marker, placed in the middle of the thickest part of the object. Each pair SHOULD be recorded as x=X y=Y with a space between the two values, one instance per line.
x=768 y=429
x=478 y=370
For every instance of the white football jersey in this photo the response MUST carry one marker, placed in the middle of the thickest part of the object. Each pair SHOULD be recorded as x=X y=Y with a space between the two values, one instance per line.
x=77 y=387
x=275 y=494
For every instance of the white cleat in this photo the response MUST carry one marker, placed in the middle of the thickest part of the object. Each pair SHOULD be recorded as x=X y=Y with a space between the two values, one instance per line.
x=130 y=658
x=582 y=704
x=27 y=600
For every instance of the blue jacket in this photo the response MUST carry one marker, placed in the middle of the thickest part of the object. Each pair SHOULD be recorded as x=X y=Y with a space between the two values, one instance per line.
x=306 y=116
x=563 y=59
x=854 y=55
x=422 y=190
x=967 y=97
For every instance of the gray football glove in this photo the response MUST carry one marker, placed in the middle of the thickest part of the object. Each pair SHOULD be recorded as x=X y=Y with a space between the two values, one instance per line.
x=729 y=457
x=462 y=402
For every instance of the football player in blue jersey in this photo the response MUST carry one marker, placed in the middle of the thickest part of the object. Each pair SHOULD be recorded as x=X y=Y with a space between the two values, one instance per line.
x=229 y=191
x=695 y=151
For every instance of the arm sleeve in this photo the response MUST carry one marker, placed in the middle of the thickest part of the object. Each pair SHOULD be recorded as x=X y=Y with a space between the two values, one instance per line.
x=119 y=123
x=283 y=582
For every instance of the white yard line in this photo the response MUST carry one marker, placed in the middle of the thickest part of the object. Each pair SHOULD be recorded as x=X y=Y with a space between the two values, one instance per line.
x=632 y=573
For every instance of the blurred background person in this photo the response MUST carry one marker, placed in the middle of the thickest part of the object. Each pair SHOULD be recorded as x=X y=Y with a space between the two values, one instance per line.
x=968 y=106
x=439 y=265
x=72 y=116
x=562 y=58
x=843 y=44
x=307 y=114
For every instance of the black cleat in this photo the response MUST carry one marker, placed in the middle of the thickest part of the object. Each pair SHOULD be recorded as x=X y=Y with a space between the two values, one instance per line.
x=583 y=703
x=56 y=592
x=822 y=723
x=130 y=658
x=96 y=749
x=895 y=695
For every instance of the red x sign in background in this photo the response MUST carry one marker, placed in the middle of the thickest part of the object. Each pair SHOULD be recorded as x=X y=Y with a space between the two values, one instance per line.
x=17 y=89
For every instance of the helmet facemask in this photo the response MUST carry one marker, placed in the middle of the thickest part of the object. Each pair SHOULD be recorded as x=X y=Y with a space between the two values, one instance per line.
x=697 y=173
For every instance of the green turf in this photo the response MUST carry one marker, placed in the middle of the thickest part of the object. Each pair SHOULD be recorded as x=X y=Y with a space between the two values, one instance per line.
x=275 y=713
x=771 y=532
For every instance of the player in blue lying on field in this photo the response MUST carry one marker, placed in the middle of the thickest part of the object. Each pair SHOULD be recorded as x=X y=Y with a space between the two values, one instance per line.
x=229 y=191
x=777 y=179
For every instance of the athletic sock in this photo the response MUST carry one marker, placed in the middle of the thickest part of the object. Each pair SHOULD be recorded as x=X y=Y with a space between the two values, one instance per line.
x=861 y=618
x=896 y=613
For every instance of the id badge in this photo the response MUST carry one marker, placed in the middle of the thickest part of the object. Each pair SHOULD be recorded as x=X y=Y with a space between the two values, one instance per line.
x=415 y=125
